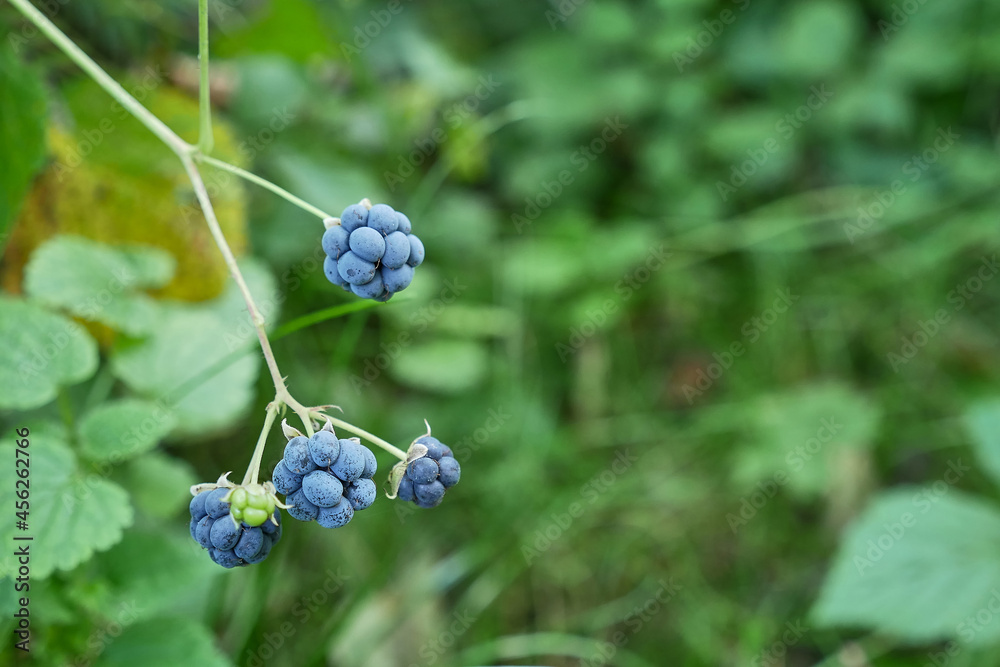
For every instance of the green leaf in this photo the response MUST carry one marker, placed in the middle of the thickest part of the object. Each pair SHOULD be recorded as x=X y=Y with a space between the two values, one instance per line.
x=119 y=430
x=154 y=569
x=159 y=484
x=917 y=564
x=163 y=642
x=72 y=515
x=187 y=341
x=444 y=366
x=294 y=28
x=799 y=433
x=542 y=267
x=98 y=282
x=22 y=133
x=39 y=352
x=817 y=36
x=983 y=423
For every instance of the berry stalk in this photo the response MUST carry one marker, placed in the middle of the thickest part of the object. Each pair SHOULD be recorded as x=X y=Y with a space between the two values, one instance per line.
x=281 y=394
x=262 y=182
x=188 y=154
x=253 y=470
x=351 y=428
x=103 y=79
x=205 y=139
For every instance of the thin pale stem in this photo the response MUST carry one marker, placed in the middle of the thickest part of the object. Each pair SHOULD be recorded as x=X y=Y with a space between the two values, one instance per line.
x=374 y=439
x=258 y=453
x=302 y=411
x=205 y=139
x=188 y=154
x=256 y=318
x=103 y=79
x=264 y=183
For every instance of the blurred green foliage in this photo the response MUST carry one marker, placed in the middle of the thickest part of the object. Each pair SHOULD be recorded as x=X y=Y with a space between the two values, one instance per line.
x=708 y=312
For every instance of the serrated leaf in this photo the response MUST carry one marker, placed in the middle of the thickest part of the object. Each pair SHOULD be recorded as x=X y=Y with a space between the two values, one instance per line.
x=916 y=565
x=119 y=430
x=443 y=366
x=159 y=484
x=983 y=423
x=22 y=133
x=152 y=569
x=72 y=515
x=163 y=642
x=39 y=352
x=99 y=282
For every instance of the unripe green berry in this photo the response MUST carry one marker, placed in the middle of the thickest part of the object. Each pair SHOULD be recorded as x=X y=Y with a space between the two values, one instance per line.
x=254 y=517
x=238 y=498
x=257 y=501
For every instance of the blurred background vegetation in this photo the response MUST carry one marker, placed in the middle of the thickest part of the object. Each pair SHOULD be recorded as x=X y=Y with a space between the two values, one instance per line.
x=707 y=316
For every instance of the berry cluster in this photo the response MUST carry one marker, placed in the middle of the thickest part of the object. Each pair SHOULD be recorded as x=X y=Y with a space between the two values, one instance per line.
x=238 y=532
x=428 y=477
x=325 y=479
x=371 y=252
